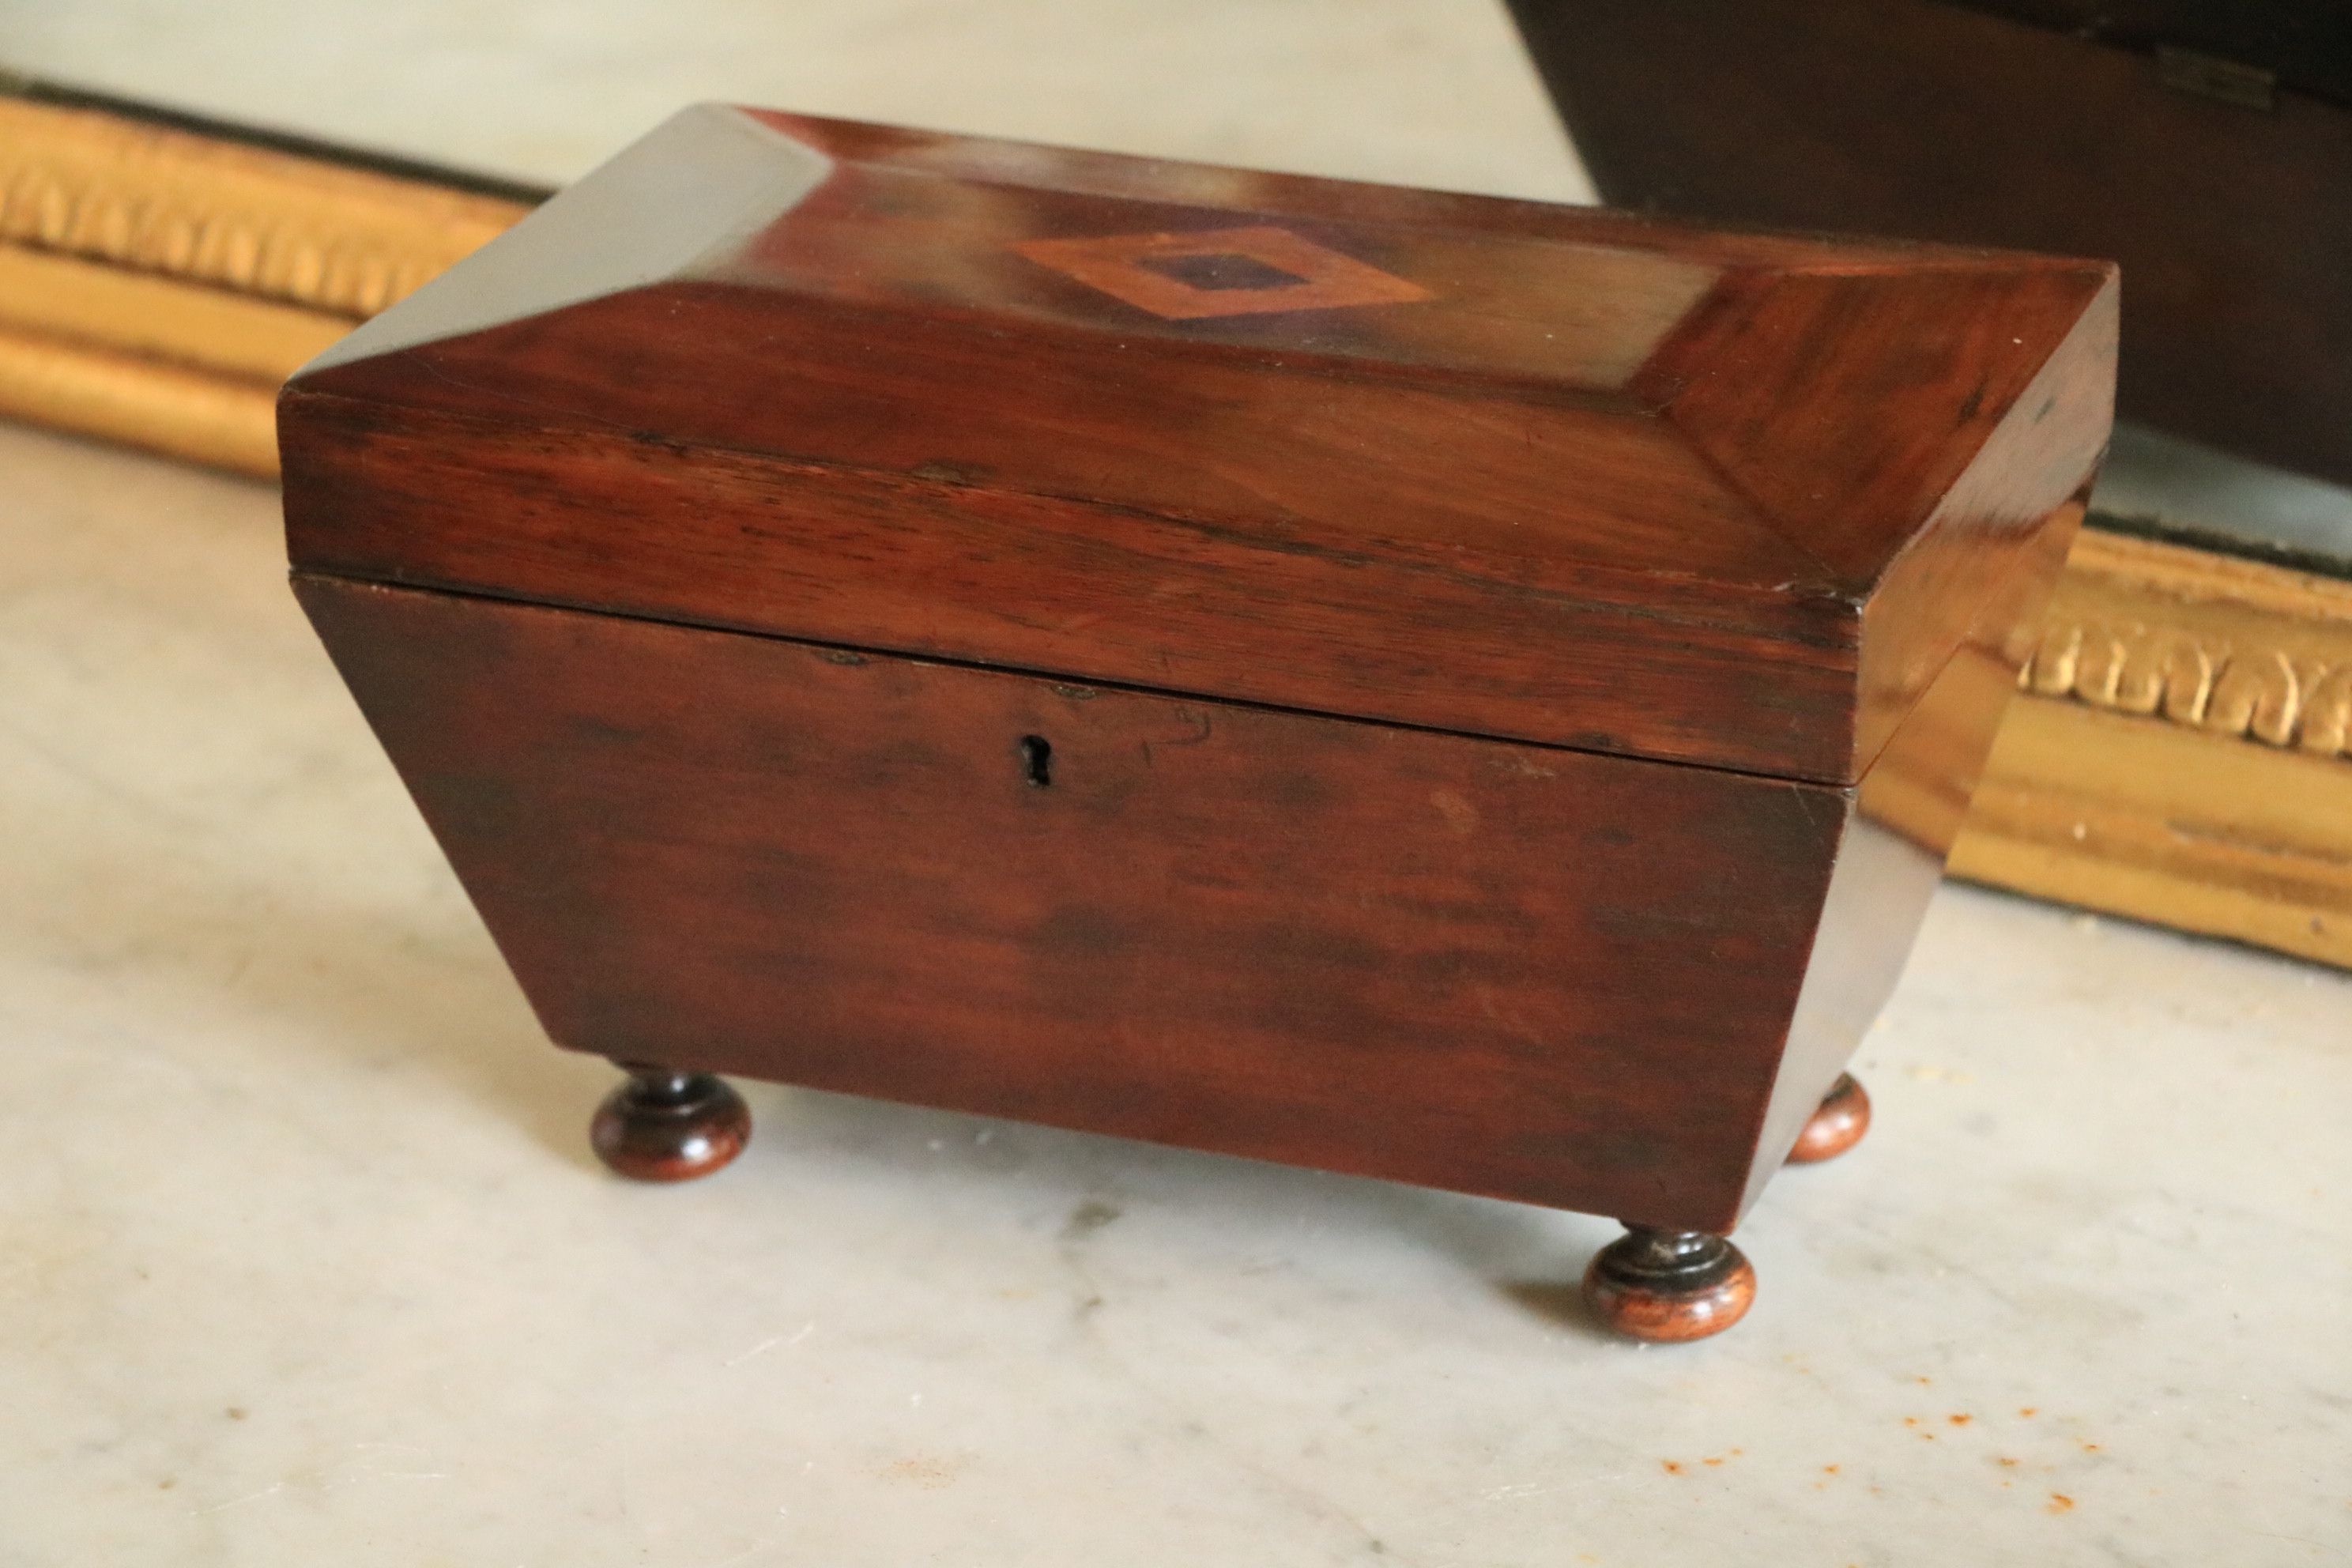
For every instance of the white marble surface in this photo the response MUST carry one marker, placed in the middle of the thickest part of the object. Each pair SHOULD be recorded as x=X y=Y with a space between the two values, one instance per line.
x=302 y=1259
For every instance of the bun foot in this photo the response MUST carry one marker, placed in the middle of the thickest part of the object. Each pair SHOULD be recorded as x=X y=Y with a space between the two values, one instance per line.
x=667 y=1126
x=1837 y=1126
x=1669 y=1285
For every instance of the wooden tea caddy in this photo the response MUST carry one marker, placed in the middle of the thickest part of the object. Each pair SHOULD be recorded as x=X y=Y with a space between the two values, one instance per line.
x=1459 y=690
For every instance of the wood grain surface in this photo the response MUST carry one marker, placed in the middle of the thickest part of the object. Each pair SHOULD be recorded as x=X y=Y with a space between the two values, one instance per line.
x=1502 y=969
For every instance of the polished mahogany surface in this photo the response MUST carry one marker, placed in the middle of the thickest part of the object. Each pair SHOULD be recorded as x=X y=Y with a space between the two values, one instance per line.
x=1492 y=967
x=1472 y=465
x=663 y=1125
x=1836 y=1127
x=1668 y=1286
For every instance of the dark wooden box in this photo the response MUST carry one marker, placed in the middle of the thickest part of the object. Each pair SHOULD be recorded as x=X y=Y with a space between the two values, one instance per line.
x=1460 y=690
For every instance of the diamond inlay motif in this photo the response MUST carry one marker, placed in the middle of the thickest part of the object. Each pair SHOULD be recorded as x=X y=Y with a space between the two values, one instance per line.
x=1220 y=272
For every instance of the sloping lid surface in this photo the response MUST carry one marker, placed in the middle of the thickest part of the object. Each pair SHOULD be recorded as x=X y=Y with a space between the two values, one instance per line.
x=1492 y=465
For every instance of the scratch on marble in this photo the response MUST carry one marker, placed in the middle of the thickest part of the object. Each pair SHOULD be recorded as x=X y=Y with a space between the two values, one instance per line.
x=237 y=1502
x=1518 y=1490
x=366 y=1476
x=2299 y=1540
x=767 y=1344
x=1505 y=1494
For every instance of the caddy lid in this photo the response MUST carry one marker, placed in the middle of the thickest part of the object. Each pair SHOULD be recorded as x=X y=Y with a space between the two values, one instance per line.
x=1490 y=466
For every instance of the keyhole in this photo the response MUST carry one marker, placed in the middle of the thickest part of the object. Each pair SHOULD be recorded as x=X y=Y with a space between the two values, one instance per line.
x=1037 y=760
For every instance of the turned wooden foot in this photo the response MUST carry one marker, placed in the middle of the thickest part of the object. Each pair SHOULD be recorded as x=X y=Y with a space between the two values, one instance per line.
x=1669 y=1284
x=667 y=1126
x=1837 y=1126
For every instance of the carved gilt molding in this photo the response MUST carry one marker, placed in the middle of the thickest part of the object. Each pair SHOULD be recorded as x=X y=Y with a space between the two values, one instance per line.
x=2225 y=648
x=250 y=220
x=157 y=285
x=2177 y=751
